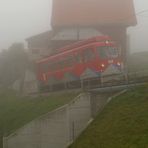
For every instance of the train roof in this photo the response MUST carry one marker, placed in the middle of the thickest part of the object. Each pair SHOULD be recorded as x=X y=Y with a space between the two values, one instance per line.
x=84 y=42
x=77 y=45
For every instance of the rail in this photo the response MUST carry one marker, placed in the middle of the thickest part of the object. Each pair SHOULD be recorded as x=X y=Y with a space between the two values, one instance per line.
x=122 y=79
x=129 y=78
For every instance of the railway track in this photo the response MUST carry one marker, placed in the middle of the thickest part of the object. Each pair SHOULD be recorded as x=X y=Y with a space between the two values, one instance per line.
x=130 y=79
x=105 y=83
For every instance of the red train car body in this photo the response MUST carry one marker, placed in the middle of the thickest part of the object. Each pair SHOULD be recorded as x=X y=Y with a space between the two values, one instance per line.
x=87 y=59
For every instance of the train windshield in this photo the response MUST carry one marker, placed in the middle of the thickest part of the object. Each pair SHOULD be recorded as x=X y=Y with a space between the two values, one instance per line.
x=107 y=52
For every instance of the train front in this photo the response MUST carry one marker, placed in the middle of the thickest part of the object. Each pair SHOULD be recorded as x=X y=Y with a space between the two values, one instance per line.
x=111 y=64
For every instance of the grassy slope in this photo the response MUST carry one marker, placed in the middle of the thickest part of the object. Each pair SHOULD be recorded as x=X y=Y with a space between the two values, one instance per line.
x=122 y=124
x=15 y=111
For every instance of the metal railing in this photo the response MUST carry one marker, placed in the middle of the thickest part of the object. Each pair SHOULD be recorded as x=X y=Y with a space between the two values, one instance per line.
x=116 y=80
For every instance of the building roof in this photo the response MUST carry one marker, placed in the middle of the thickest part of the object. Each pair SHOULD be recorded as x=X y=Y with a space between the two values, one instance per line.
x=93 y=13
x=44 y=35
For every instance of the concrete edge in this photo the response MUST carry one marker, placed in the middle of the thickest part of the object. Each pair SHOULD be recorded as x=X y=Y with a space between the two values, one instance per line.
x=116 y=95
x=92 y=119
x=44 y=115
x=88 y=123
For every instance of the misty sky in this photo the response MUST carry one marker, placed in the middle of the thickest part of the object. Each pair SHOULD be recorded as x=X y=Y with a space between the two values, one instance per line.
x=20 y=19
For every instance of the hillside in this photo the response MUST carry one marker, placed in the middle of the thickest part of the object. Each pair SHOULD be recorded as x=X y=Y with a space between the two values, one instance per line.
x=16 y=110
x=122 y=124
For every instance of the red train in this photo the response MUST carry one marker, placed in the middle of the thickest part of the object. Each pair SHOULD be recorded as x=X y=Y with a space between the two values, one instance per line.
x=88 y=59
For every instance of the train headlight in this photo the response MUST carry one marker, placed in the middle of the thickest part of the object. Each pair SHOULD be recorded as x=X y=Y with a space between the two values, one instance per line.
x=102 y=65
x=107 y=42
x=119 y=64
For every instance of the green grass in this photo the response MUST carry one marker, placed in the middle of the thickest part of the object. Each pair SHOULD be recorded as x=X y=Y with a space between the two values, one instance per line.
x=16 y=111
x=122 y=124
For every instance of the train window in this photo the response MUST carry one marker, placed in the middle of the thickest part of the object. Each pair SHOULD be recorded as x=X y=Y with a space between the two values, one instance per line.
x=107 y=52
x=45 y=67
x=51 y=66
x=55 y=65
x=112 y=52
x=102 y=52
x=62 y=63
x=88 y=55
x=66 y=62
x=78 y=58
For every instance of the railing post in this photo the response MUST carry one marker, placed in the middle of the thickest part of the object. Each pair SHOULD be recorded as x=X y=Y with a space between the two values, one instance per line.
x=73 y=131
x=65 y=85
x=126 y=77
x=50 y=86
x=5 y=145
x=82 y=86
x=101 y=79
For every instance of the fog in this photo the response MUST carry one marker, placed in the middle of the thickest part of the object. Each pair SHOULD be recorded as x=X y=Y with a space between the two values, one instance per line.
x=24 y=18
x=20 y=19
x=138 y=34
